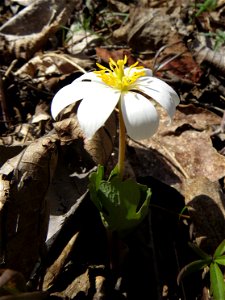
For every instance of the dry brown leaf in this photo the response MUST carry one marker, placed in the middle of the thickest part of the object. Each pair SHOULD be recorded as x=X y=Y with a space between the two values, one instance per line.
x=105 y=55
x=80 y=40
x=148 y=30
x=182 y=156
x=91 y=283
x=99 y=147
x=29 y=30
x=80 y=285
x=206 y=205
x=195 y=154
x=203 y=53
x=52 y=63
x=54 y=270
x=183 y=149
x=24 y=214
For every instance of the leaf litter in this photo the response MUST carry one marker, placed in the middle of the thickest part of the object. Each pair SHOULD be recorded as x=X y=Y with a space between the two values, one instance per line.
x=50 y=232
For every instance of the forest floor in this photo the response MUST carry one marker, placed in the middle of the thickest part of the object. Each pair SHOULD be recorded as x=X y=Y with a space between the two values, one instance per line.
x=53 y=244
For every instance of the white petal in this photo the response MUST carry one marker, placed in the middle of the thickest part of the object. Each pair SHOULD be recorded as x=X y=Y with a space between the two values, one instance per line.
x=96 y=108
x=70 y=94
x=140 y=116
x=159 y=91
x=148 y=72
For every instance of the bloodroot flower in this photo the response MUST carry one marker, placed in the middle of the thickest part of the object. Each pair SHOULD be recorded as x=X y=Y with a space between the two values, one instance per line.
x=131 y=89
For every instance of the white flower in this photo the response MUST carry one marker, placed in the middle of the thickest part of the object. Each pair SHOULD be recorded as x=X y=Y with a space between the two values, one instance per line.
x=101 y=91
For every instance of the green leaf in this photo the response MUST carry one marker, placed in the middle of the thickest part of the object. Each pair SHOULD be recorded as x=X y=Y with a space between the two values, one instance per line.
x=114 y=172
x=208 y=5
x=95 y=179
x=200 y=252
x=122 y=204
x=192 y=267
x=220 y=249
x=217 y=282
x=220 y=260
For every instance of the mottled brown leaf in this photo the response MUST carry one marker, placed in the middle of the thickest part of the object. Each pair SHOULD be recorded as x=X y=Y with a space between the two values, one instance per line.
x=105 y=55
x=30 y=29
x=24 y=214
x=184 y=148
x=206 y=204
x=99 y=147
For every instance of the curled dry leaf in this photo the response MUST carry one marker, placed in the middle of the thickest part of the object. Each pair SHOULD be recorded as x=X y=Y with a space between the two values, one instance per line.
x=150 y=29
x=29 y=30
x=54 y=270
x=80 y=285
x=24 y=212
x=206 y=204
x=91 y=283
x=203 y=53
x=184 y=148
x=50 y=63
x=99 y=147
x=80 y=40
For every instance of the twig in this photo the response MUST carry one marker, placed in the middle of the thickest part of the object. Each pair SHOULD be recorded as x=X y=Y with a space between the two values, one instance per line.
x=5 y=115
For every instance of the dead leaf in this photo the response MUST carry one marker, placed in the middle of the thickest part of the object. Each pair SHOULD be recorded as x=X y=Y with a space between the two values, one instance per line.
x=182 y=156
x=80 y=285
x=29 y=30
x=195 y=153
x=50 y=63
x=183 y=149
x=80 y=40
x=99 y=147
x=54 y=270
x=105 y=55
x=203 y=53
x=206 y=205
x=24 y=214
x=150 y=29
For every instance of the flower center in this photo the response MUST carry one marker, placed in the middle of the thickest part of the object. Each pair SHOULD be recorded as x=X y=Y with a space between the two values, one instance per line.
x=115 y=76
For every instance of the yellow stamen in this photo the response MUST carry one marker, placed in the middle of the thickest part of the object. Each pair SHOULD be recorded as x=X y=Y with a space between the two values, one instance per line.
x=115 y=77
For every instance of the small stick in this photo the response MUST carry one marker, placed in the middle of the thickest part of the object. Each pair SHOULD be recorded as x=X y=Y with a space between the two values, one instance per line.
x=5 y=115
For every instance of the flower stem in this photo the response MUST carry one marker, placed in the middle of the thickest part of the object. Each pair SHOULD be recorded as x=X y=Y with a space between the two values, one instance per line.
x=122 y=140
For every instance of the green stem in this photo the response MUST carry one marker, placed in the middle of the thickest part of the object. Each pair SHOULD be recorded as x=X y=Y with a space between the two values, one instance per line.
x=122 y=142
